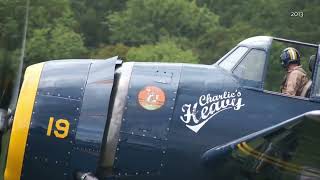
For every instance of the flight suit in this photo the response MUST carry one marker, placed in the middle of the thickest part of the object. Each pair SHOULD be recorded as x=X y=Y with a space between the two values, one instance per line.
x=294 y=81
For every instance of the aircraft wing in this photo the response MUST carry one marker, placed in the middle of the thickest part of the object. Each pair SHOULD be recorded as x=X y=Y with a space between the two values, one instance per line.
x=289 y=150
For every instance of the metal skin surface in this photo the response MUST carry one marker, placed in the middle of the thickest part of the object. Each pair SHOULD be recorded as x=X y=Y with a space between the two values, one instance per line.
x=143 y=134
x=147 y=120
x=288 y=150
x=77 y=91
x=122 y=79
x=176 y=153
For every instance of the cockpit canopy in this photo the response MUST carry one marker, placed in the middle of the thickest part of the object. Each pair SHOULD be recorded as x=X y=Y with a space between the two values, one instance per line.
x=248 y=61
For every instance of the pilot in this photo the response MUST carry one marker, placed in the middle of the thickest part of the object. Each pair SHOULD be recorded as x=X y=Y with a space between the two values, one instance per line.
x=296 y=77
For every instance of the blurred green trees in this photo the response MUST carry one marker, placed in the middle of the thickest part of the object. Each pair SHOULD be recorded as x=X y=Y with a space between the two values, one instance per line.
x=58 y=42
x=207 y=28
x=166 y=51
x=145 y=21
x=51 y=33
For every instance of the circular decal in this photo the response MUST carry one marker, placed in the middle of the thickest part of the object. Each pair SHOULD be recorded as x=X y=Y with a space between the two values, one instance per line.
x=151 y=98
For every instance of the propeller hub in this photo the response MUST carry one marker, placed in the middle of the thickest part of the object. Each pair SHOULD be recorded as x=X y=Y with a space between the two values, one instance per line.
x=3 y=120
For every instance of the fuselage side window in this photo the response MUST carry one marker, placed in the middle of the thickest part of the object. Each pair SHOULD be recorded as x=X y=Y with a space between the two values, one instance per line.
x=317 y=85
x=251 y=67
x=229 y=62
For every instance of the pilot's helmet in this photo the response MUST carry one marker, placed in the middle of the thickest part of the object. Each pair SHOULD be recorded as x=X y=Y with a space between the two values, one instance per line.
x=289 y=56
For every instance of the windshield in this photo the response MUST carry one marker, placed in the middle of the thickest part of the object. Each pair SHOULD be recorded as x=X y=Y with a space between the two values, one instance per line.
x=231 y=60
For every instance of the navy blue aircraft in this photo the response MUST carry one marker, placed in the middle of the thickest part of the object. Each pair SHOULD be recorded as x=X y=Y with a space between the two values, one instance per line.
x=108 y=119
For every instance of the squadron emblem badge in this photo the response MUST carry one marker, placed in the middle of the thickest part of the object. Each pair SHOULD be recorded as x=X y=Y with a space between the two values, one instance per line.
x=151 y=98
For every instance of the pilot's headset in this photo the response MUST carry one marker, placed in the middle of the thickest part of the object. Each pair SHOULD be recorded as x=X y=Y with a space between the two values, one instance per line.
x=289 y=56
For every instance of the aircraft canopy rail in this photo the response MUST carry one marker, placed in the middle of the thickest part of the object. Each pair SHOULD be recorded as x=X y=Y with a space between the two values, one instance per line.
x=296 y=42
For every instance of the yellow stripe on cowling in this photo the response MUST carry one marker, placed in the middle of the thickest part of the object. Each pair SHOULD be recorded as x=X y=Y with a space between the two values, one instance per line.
x=21 y=123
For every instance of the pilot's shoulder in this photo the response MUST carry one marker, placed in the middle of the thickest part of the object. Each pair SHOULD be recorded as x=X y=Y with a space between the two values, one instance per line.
x=296 y=74
x=298 y=71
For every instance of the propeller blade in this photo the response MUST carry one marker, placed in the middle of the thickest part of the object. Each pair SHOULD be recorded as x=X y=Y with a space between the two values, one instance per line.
x=3 y=121
x=17 y=85
x=16 y=89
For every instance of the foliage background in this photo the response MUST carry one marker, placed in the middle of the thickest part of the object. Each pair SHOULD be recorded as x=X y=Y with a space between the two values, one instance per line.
x=192 y=31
